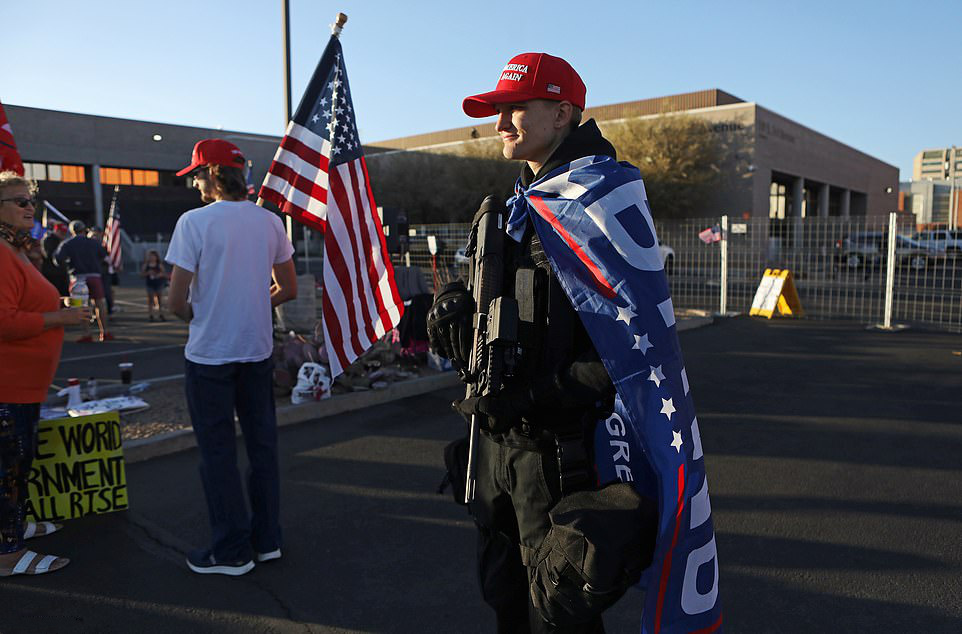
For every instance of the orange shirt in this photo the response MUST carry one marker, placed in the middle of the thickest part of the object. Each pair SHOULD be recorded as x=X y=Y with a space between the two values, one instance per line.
x=28 y=354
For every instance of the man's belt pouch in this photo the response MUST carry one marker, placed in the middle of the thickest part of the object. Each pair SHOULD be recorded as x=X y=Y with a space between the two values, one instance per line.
x=597 y=547
x=456 y=462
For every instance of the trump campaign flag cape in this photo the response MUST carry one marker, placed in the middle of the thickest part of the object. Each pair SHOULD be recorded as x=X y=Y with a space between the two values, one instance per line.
x=593 y=219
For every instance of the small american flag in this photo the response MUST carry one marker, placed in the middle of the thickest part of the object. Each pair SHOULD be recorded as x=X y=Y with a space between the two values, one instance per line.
x=111 y=240
x=319 y=177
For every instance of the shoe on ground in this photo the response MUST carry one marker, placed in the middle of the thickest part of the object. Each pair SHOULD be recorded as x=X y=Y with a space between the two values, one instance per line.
x=152 y=318
x=271 y=556
x=39 y=529
x=161 y=317
x=106 y=337
x=85 y=339
x=30 y=563
x=202 y=562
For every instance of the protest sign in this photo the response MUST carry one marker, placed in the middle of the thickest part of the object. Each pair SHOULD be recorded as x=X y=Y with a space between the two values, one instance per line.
x=79 y=468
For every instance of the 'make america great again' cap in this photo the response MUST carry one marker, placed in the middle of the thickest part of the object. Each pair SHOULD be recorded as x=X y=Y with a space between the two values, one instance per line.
x=214 y=152
x=530 y=76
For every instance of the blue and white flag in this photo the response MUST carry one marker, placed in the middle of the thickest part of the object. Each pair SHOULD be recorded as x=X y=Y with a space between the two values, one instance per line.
x=593 y=219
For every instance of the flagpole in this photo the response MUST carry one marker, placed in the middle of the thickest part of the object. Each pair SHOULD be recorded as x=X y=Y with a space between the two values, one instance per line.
x=286 y=15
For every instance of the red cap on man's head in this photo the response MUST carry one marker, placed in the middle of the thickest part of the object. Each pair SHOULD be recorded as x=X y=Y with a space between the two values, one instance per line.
x=214 y=152
x=530 y=76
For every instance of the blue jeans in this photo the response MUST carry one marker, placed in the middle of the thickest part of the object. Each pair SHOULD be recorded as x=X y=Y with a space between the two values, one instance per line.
x=18 y=443
x=214 y=392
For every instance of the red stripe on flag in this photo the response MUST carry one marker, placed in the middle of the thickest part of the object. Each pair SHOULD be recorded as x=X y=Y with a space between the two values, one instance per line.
x=305 y=152
x=362 y=256
x=299 y=214
x=666 y=565
x=711 y=628
x=333 y=326
x=301 y=183
x=600 y=281
x=385 y=259
x=335 y=257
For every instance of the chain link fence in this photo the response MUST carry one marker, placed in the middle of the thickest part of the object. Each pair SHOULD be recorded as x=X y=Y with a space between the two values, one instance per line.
x=871 y=270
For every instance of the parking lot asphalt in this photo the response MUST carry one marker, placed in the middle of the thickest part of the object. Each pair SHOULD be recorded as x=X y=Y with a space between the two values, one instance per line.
x=833 y=460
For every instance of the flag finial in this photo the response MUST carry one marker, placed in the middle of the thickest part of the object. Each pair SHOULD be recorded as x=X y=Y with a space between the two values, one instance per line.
x=338 y=25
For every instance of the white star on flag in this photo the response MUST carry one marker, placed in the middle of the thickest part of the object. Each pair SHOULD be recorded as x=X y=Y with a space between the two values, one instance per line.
x=676 y=442
x=667 y=407
x=625 y=315
x=656 y=375
x=323 y=101
x=642 y=343
x=315 y=119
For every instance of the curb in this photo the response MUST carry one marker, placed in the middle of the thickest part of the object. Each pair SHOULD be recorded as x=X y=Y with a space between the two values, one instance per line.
x=182 y=439
x=163 y=444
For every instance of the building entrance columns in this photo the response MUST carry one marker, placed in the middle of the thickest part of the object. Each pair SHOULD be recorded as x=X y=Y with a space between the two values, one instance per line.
x=823 y=200
x=846 y=203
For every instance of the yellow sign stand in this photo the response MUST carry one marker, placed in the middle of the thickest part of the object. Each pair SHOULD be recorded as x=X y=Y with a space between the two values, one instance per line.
x=776 y=291
x=79 y=468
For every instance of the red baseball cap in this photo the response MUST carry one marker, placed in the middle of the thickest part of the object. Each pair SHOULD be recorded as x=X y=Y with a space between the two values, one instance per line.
x=214 y=152
x=530 y=76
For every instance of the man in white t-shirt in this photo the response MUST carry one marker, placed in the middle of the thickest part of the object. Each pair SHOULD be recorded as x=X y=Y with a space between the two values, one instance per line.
x=231 y=265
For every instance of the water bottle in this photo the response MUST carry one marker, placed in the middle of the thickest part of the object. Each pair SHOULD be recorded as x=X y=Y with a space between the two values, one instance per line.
x=79 y=293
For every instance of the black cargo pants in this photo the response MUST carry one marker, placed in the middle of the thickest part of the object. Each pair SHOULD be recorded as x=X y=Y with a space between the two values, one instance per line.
x=517 y=484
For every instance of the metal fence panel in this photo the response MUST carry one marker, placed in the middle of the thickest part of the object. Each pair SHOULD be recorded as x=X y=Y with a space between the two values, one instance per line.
x=839 y=265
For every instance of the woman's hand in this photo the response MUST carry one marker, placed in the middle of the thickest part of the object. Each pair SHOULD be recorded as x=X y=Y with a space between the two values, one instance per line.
x=72 y=316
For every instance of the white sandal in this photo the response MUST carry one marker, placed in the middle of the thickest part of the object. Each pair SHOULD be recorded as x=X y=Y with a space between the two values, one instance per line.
x=22 y=566
x=48 y=527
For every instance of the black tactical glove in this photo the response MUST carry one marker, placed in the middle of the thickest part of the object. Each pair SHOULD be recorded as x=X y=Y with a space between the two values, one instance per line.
x=500 y=412
x=449 y=324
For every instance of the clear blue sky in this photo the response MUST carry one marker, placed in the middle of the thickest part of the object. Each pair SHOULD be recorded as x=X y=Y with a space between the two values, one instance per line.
x=882 y=76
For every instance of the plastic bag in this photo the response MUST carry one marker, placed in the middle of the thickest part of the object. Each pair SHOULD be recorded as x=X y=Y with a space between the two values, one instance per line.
x=313 y=384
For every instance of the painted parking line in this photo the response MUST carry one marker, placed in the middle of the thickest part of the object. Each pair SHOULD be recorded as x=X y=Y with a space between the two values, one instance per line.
x=122 y=353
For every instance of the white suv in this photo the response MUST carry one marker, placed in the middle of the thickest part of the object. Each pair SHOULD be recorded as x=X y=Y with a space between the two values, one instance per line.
x=941 y=239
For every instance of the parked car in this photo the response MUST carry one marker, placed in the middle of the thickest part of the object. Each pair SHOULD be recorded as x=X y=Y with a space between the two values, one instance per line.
x=948 y=240
x=870 y=249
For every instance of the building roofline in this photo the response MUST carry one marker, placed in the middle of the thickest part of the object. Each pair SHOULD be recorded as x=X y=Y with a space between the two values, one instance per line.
x=254 y=135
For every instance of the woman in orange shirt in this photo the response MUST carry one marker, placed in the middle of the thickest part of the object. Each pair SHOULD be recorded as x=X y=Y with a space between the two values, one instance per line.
x=31 y=335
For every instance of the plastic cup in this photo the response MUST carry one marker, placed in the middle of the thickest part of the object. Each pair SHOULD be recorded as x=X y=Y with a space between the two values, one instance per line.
x=75 y=302
x=126 y=372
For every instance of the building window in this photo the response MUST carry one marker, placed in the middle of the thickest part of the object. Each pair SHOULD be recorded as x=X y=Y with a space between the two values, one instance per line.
x=73 y=174
x=54 y=172
x=126 y=176
x=777 y=200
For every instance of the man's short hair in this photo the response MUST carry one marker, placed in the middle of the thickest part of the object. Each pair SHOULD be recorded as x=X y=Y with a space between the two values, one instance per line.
x=77 y=227
x=229 y=180
x=575 y=118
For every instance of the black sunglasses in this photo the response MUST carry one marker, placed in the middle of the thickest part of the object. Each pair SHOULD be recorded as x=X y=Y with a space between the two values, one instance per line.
x=20 y=201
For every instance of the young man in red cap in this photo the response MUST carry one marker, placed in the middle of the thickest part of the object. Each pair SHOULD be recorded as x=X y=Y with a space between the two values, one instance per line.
x=560 y=388
x=224 y=255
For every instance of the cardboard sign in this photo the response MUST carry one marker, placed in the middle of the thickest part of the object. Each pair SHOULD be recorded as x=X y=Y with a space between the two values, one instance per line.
x=776 y=291
x=79 y=468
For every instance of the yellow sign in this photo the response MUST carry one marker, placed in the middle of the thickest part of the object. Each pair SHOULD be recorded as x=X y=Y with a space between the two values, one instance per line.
x=776 y=291
x=79 y=468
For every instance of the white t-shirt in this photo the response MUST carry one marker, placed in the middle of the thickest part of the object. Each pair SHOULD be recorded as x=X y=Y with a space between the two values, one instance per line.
x=231 y=248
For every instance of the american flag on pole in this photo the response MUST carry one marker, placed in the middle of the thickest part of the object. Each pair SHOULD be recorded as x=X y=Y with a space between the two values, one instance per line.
x=112 y=234
x=9 y=156
x=319 y=177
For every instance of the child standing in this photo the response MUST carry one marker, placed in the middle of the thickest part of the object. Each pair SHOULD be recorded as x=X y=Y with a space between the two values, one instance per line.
x=155 y=275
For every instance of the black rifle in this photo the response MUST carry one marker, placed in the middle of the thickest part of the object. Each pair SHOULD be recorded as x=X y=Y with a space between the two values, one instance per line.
x=495 y=320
